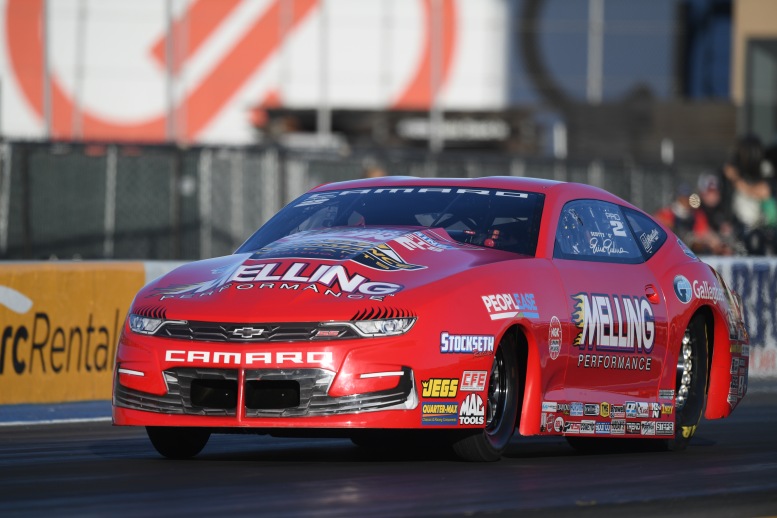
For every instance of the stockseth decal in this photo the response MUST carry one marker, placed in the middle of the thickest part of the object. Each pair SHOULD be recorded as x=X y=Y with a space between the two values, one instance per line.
x=610 y=323
x=440 y=387
x=507 y=305
x=436 y=413
x=473 y=381
x=472 y=411
x=554 y=337
x=682 y=288
x=466 y=344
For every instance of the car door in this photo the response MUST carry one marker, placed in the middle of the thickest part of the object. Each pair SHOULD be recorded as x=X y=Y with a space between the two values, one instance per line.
x=614 y=305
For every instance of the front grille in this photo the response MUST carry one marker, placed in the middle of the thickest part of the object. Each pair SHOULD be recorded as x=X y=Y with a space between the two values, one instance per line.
x=278 y=332
x=268 y=393
x=189 y=391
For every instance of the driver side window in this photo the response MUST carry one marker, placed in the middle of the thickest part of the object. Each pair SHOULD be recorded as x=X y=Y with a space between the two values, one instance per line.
x=594 y=230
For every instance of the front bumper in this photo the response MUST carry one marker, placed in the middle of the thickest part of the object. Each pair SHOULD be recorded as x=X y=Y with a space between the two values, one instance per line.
x=260 y=393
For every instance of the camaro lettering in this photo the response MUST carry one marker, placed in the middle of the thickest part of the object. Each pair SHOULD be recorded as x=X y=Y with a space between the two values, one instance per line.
x=612 y=323
x=466 y=344
x=250 y=358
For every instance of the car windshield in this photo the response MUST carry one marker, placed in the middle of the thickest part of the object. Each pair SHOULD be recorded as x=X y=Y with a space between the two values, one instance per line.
x=502 y=219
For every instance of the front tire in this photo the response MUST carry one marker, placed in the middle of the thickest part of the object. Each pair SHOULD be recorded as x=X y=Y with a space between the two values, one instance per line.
x=691 y=382
x=178 y=443
x=487 y=444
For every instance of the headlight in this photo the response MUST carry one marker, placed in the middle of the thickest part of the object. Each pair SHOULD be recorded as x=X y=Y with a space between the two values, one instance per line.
x=387 y=327
x=144 y=325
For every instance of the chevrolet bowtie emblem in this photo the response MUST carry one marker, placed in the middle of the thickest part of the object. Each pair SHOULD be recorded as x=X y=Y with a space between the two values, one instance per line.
x=248 y=332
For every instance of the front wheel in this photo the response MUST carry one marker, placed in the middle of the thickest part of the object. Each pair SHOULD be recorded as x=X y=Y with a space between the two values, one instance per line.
x=691 y=382
x=178 y=443
x=501 y=408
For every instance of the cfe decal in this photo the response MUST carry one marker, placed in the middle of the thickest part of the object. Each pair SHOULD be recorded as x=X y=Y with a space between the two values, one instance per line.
x=613 y=324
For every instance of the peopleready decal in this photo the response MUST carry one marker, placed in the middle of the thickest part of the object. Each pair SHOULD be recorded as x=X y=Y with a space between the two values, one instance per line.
x=511 y=305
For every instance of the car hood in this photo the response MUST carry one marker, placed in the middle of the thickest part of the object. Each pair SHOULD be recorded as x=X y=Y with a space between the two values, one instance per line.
x=315 y=275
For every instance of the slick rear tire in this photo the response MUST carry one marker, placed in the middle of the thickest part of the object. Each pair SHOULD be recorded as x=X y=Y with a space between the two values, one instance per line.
x=691 y=382
x=178 y=443
x=501 y=409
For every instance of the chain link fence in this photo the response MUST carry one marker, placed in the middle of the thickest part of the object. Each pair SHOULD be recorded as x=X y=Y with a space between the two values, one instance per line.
x=100 y=201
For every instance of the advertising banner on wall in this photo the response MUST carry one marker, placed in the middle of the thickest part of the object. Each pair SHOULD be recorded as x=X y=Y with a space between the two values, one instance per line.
x=197 y=70
x=59 y=326
x=755 y=279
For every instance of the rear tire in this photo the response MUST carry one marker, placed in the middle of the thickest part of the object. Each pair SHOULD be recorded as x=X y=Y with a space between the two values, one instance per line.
x=691 y=384
x=487 y=444
x=178 y=443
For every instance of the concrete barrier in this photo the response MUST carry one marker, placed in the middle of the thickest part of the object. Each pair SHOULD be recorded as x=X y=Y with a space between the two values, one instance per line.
x=60 y=322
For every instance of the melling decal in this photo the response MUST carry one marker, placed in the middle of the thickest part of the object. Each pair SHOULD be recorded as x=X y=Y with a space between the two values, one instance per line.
x=332 y=280
x=613 y=324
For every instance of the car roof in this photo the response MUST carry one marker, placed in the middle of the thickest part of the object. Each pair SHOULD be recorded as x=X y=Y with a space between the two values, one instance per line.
x=551 y=188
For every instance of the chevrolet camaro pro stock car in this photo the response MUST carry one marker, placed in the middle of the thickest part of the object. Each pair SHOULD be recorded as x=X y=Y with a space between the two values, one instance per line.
x=463 y=309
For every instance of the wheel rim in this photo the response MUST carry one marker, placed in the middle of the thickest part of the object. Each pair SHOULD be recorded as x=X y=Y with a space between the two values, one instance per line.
x=684 y=371
x=497 y=393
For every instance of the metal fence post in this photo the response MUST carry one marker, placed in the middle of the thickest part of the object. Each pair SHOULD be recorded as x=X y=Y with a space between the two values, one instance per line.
x=6 y=155
x=110 y=201
x=205 y=203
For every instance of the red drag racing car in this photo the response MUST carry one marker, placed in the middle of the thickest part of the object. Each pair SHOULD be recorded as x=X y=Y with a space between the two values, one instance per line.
x=462 y=308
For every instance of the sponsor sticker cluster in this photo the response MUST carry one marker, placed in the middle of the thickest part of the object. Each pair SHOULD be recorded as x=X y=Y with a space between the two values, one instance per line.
x=454 y=401
x=627 y=418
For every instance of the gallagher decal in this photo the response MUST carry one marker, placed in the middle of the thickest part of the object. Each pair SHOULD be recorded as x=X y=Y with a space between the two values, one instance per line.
x=613 y=324
x=682 y=288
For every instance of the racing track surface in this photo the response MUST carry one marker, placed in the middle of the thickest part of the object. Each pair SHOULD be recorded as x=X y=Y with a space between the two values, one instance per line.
x=730 y=469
